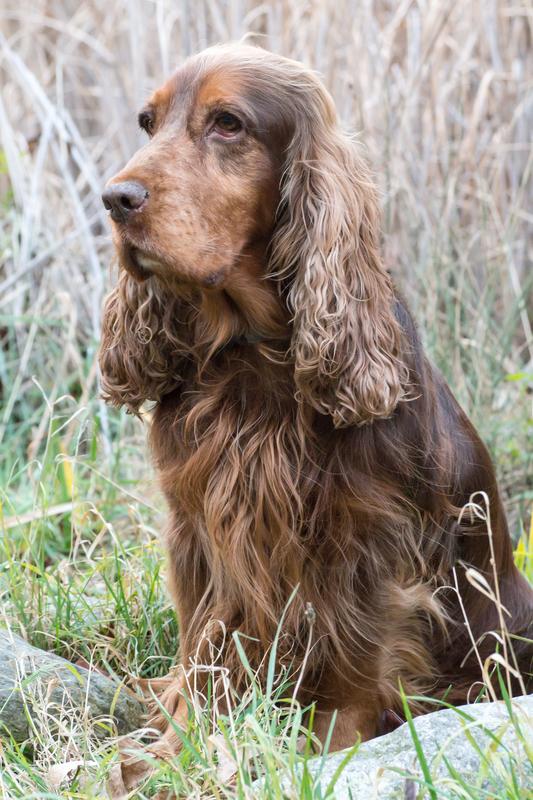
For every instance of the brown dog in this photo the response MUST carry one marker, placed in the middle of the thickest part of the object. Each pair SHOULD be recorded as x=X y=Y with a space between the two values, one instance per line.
x=302 y=437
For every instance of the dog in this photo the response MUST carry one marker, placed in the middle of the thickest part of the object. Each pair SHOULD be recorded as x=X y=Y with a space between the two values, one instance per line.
x=307 y=448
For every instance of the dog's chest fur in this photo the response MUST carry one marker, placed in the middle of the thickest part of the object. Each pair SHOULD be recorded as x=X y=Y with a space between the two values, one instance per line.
x=230 y=448
x=262 y=503
x=265 y=487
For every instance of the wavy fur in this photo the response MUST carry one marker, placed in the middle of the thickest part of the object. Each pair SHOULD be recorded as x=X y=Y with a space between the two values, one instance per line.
x=346 y=340
x=141 y=345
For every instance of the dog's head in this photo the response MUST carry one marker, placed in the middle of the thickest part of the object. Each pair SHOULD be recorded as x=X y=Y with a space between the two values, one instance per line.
x=248 y=188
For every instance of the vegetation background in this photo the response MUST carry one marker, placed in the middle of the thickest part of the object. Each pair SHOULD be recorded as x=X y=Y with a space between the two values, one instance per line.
x=441 y=94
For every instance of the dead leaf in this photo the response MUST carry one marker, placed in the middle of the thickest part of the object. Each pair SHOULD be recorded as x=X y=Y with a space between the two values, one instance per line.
x=58 y=773
x=227 y=766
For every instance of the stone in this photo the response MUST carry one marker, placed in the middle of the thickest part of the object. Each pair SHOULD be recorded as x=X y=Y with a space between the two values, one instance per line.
x=29 y=676
x=444 y=736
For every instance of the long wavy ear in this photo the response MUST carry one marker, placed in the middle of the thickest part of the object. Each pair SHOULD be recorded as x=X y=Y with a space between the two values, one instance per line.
x=140 y=349
x=346 y=341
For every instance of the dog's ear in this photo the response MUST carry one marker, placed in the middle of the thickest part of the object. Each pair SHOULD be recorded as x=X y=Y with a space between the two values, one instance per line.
x=346 y=341
x=140 y=349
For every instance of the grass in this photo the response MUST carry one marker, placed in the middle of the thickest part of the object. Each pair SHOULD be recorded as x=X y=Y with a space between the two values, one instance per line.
x=439 y=92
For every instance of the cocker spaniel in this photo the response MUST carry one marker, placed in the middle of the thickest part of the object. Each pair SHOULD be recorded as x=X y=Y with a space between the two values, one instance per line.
x=306 y=446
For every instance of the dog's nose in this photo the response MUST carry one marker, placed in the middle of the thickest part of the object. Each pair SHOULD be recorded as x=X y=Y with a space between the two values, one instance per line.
x=120 y=199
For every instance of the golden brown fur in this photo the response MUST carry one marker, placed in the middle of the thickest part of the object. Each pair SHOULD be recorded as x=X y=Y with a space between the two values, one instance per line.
x=301 y=436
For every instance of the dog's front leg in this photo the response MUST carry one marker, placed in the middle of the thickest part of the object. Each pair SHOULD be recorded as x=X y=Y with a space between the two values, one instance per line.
x=170 y=716
x=358 y=721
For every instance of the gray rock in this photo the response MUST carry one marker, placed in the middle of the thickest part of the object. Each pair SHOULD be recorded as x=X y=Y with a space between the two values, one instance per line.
x=31 y=677
x=444 y=735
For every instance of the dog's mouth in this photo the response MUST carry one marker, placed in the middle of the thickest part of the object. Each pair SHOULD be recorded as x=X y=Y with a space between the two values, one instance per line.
x=140 y=264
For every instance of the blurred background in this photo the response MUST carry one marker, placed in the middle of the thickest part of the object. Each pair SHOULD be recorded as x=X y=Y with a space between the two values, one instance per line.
x=441 y=95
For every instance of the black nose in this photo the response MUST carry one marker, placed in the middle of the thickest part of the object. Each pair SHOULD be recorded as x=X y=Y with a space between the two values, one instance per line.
x=122 y=198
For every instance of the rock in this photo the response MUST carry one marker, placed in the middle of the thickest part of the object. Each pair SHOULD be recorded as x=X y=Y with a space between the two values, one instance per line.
x=443 y=736
x=29 y=676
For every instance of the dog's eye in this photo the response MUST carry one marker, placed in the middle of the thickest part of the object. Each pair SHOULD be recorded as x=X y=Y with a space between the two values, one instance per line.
x=146 y=122
x=227 y=125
